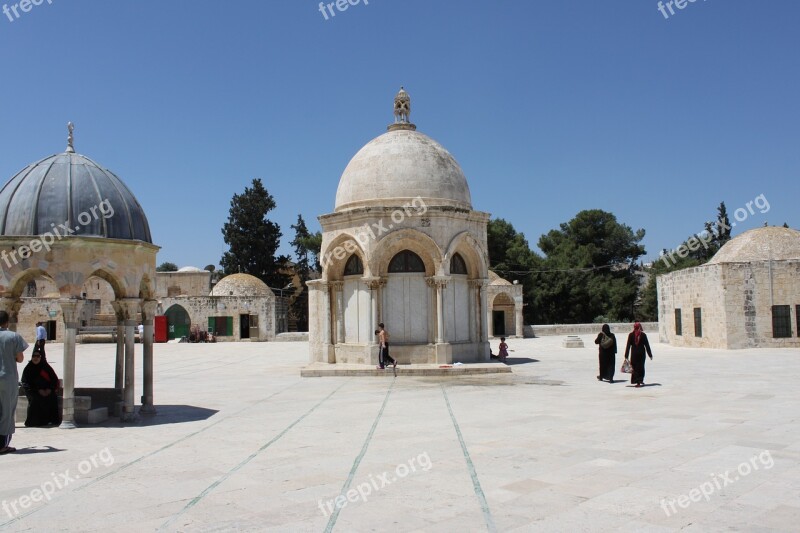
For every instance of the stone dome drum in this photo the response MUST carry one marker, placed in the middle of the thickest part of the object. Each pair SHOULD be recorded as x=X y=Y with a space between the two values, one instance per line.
x=401 y=165
x=72 y=190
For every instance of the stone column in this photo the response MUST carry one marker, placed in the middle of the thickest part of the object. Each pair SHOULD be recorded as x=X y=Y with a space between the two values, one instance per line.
x=431 y=303
x=338 y=289
x=71 y=312
x=484 y=311
x=472 y=302
x=129 y=308
x=326 y=317
x=148 y=312
x=520 y=325
x=119 y=367
x=441 y=283
x=373 y=284
x=485 y=318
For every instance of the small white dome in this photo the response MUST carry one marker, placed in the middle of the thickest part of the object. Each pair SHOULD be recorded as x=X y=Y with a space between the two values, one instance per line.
x=189 y=269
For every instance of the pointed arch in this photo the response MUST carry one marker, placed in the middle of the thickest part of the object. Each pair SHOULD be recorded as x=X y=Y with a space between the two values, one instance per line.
x=335 y=255
x=473 y=253
x=407 y=239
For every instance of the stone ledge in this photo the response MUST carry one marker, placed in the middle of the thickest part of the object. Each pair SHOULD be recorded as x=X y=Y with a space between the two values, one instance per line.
x=292 y=337
x=319 y=370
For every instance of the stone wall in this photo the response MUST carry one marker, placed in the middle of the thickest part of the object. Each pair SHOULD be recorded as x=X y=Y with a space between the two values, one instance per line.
x=201 y=308
x=699 y=287
x=548 y=330
x=171 y=284
x=752 y=289
x=736 y=301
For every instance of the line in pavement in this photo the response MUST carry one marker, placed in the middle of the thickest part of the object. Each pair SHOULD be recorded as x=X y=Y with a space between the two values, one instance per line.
x=252 y=456
x=487 y=514
x=335 y=516
x=146 y=456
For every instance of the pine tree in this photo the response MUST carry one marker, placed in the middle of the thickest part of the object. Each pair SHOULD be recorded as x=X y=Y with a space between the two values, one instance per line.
x=252 y=238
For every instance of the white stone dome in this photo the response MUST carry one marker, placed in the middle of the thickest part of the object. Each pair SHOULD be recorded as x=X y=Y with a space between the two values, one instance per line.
x=760 y=244
x=399 y=166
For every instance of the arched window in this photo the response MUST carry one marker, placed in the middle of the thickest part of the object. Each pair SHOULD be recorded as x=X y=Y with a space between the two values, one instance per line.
x=354 y=266
x=406 y=261
x=457 y=265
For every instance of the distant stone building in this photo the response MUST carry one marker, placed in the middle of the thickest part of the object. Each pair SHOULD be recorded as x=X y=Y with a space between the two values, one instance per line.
x=747 y=296
x=240 y=307
x=404 y=247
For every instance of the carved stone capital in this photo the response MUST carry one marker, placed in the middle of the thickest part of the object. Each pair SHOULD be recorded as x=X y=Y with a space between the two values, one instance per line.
x=71 y=311
x=373 y=283
x=337 y=286
x=441 y=281
x=149 y=308
x=127 y=310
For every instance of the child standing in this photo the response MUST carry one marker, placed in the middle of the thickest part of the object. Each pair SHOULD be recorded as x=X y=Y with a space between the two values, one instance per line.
x=503 y=352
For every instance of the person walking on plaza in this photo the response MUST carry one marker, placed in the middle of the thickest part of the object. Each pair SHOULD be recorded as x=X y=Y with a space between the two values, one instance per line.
x=383 y=354
x=637 y=346
x=12 y=346
x=41 y=337
x=607 y=349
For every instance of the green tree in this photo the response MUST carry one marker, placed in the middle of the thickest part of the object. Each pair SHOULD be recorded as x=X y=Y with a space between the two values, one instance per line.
x=589 y=270
x=307 y=246
x=167 y=267
x=510 y=257
x=252 y=238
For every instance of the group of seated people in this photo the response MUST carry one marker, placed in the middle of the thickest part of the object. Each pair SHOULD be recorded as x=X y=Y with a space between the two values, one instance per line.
x=199 y=335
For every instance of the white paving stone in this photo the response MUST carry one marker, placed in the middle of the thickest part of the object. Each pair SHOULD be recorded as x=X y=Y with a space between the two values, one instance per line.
x=242 y=443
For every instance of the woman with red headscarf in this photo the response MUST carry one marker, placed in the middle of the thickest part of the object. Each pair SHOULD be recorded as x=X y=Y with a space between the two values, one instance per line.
x=637 y=346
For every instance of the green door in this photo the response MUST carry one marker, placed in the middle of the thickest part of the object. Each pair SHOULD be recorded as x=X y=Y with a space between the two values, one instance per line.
x=177 y=322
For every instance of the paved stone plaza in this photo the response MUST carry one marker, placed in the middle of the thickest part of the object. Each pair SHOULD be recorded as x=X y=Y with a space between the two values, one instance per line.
x=242 y=442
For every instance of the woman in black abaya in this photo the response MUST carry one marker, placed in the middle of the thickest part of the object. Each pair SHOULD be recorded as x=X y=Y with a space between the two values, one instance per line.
x=41 y=384
x=637 y=347
x=607 y=350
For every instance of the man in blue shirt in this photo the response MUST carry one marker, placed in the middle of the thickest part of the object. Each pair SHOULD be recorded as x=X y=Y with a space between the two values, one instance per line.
x=41 y=337
x=11 y=347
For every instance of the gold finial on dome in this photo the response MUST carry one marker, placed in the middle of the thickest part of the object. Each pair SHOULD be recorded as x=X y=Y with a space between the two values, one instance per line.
x=70 y=138
x=402 y=112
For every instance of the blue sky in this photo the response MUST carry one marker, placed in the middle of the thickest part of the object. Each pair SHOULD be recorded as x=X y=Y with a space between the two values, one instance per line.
x=550 y=107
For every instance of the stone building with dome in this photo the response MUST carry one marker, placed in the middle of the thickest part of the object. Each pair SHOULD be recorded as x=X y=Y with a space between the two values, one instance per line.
x=240 y=307
x=404 y=247
x=66 y=222
x=746 y=296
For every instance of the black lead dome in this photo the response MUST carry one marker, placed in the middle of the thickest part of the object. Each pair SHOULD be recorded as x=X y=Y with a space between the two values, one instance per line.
x=70 y=189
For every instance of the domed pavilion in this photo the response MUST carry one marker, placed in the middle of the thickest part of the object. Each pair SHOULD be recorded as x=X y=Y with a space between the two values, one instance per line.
x=404 y=247
x=66 y=219
x=746 y=296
